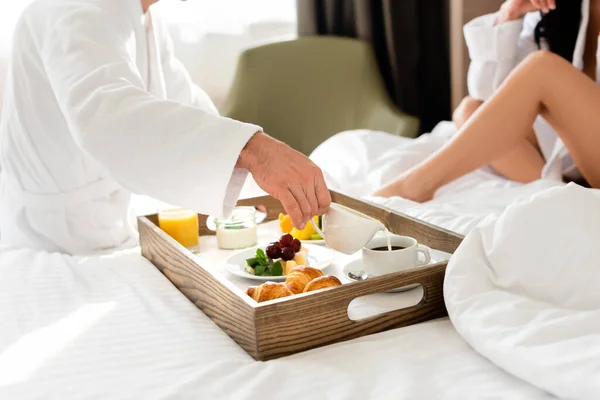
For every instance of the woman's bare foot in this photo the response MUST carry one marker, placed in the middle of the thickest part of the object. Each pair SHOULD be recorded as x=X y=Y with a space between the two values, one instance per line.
x=408 y=188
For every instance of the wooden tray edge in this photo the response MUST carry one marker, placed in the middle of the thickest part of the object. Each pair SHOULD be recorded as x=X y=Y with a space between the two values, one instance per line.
x=254 y=326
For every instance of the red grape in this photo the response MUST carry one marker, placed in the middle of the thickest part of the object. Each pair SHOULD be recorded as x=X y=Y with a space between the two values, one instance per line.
x=273 y=251
x=296 y=245
x=286 y=240
x=287 y=254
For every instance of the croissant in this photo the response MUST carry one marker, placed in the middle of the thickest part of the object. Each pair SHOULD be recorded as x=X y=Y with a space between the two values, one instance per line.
x=299 y=277
x=268 y=291
x=322 y=282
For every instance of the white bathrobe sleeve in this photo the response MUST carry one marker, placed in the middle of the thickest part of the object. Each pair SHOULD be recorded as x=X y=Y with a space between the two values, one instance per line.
x=496 y=49
x=180 y=154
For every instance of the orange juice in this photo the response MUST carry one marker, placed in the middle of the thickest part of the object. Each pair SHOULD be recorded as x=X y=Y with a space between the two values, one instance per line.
x=181 y=225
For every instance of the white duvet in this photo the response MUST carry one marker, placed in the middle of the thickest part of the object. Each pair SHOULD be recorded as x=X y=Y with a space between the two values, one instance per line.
x=523 y=290
x=112 y=327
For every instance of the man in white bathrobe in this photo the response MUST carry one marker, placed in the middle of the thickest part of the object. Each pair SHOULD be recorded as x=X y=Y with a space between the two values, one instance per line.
x=97 y=107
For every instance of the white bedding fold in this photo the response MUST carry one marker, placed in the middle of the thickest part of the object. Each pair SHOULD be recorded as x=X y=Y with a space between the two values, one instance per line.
x=523 y=291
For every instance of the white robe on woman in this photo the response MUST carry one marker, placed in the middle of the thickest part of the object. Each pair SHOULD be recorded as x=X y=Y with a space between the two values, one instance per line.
x=97 y=107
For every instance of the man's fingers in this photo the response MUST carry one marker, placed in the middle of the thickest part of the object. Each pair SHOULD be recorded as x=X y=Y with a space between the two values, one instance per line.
x=311 y=196
x=300 y=196
x=292 y=208
x=322 y=193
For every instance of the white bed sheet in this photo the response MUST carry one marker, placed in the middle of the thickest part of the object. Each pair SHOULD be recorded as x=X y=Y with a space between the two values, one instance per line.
x=112 y=327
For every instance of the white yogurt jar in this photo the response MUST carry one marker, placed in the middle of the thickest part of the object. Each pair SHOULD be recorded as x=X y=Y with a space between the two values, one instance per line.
x=238 y=231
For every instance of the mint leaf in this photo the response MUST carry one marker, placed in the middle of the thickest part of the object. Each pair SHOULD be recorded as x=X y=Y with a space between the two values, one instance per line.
x=259 y=269
x=276 y=269
x=261 y=257
x=261 y=262
x=252 y=262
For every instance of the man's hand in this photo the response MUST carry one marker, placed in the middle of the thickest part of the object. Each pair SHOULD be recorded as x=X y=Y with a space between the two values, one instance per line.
x=287 y=175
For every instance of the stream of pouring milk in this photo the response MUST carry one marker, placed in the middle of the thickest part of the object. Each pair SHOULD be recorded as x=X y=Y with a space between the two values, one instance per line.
x=388 y=236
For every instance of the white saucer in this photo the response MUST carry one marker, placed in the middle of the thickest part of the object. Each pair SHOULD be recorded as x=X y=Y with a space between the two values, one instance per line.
x=356 y=266
x=319 y=257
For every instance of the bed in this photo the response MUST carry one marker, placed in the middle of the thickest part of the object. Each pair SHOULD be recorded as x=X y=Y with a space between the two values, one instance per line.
x=111 y=326
x=114 y=327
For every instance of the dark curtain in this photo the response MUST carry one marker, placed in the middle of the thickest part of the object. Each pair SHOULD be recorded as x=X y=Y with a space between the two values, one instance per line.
x=411 y=42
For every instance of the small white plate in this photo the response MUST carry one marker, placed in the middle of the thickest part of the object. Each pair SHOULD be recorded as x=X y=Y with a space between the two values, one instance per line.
x=319 y=257
x=356 y=267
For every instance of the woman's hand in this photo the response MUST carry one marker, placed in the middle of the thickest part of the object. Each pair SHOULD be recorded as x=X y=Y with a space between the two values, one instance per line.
x=544 y=5
x=515 y=9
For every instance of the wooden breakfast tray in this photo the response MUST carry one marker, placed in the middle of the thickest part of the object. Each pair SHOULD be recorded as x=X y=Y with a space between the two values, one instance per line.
x=293 y=324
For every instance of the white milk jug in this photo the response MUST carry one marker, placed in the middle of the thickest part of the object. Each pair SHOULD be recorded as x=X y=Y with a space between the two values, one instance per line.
x=347 y=230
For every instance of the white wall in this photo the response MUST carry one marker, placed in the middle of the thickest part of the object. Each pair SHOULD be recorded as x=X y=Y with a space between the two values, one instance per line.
x=212 y=59
x=208 y=34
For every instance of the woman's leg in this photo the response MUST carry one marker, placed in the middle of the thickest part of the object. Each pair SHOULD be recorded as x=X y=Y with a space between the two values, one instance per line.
x=465 y=110
x=543 y=84
x=522 y=164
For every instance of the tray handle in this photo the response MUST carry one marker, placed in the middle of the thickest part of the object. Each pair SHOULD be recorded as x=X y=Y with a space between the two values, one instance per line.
x=331 y=305
x=431 y=305
x=321 y=317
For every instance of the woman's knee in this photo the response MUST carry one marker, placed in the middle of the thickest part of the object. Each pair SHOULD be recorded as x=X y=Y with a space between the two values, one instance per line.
x=542 y=57
x=465 y=109
x=544 y=64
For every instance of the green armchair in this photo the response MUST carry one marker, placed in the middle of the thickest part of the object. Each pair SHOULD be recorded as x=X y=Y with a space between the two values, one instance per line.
x=306 y=90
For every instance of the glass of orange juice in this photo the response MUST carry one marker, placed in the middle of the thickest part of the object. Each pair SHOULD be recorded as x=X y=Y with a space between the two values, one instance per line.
x=181 y=225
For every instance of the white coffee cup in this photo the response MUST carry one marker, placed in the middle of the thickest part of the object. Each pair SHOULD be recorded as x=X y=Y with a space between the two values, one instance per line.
x=347 y=230
x=382 y=262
